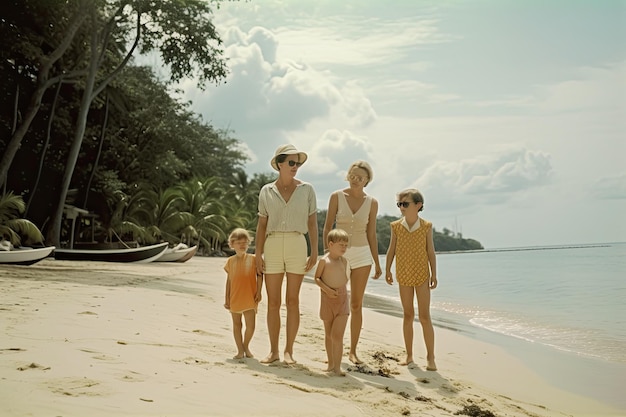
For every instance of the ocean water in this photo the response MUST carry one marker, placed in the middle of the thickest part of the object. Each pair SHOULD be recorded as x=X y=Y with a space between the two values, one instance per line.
x=563 y=307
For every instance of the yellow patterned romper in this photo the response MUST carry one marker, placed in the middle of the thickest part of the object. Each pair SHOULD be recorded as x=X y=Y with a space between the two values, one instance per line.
x=412 y=267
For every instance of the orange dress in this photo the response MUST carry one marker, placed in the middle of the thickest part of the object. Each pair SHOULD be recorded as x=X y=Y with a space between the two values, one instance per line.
x=242 y=274
x=412 y=267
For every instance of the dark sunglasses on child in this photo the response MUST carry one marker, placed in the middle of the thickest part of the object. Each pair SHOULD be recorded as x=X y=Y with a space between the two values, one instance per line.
x=404 y=204
x=292 y=163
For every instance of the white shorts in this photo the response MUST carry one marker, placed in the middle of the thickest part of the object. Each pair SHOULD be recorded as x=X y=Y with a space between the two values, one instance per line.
x=285 y=252
x=359 y=256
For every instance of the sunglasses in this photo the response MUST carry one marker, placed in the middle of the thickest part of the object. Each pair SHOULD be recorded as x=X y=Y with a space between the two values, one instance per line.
x=356 y=178
x=404 y=204
x=292 y=163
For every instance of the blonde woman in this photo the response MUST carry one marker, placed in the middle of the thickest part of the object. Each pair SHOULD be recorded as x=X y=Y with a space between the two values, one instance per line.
x=287 y=211
x=354 y=211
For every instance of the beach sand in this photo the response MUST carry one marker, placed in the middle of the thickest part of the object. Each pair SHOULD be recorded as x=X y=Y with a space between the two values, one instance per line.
x=107 y=339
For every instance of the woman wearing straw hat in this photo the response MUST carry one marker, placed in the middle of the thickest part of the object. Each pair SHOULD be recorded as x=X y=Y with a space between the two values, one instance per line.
x=287 y=210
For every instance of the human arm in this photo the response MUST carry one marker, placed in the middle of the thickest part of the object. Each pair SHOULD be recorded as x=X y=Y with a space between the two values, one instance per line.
x=391 y=253
x=330 y=292
x=372 y=239
x=259 y=287
x=259 y=243
x=313 y=239
x=227 y=294
x=432 y=259
x=331 y=216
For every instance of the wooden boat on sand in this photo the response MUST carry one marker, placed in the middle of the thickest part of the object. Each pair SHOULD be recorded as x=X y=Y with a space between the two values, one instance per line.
x=142 y=254
x=24 y=256
x=179 y=253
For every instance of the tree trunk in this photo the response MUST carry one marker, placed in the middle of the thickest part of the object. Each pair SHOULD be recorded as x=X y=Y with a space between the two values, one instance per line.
x=95 y=163
x=43 y=82
x=45 y=149
x=53 y=236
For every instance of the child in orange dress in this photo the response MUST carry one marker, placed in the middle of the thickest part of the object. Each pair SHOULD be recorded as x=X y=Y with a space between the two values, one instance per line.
x=243 y=290
x=416 y=270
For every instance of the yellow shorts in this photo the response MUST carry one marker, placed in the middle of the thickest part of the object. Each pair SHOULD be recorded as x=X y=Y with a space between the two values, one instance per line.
x=285 y=252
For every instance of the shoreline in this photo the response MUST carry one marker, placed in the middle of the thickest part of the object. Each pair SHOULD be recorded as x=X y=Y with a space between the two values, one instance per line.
x=87 y=338
x=595 y=377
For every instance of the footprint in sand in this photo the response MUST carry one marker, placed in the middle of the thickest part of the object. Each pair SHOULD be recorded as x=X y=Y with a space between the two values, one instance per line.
x=132 y=376
x=33 y=365
x=12 y=350
x=73 y=387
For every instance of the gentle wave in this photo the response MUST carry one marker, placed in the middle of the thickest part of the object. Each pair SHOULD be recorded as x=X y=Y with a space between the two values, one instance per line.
x=570 y=300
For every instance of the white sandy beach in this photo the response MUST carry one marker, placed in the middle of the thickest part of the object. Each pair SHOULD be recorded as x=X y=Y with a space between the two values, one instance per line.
x=105 y=339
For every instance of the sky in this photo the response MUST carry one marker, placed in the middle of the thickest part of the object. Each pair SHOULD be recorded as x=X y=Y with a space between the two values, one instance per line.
x=509 y=116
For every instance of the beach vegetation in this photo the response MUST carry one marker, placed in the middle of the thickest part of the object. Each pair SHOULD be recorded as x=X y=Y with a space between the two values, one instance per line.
x=13 y=227
x=88 y=44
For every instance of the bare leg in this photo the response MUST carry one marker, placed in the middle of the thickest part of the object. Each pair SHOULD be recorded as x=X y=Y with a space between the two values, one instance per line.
x=274 y=287
x=250 y=318
x=328 y=343
x=423 y=308
x=358 y=281
x=294 y=282
x=337 y=333
x=406 y=298
x=237 y=326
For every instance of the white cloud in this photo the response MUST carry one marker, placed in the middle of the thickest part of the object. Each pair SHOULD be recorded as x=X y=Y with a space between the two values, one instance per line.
x=420 y=95
x=489 y=179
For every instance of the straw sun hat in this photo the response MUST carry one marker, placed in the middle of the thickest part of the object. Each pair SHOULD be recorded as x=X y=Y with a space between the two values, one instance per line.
x=288 y=150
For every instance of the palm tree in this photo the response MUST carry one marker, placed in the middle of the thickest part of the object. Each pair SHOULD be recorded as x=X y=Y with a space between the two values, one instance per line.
x=123 y=222
x=164 y=214
x=14 y=228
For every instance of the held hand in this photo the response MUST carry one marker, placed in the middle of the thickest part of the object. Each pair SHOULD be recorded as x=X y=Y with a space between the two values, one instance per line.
x=257 y=297
x=389 y=279
x=227 y=306
x=260 y=265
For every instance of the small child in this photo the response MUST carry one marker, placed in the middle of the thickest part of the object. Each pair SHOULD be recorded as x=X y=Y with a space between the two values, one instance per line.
x=331 y=276
x=243 y=290
x=416 y=270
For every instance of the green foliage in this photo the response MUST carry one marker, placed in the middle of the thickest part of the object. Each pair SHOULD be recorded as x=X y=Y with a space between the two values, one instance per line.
x=444 y=242
x=13 y=227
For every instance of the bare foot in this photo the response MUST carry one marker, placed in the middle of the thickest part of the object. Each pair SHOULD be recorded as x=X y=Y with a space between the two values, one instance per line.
x=270 y=358
x=249 y=354
x=238 y=356
x=431 y=365
x=354 y=359
x=337 y=372
x=407 y=362
x=289 y=360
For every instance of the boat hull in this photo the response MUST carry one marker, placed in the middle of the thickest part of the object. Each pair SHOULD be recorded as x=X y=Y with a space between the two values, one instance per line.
x=138 y=255
x=25 y=256
x=178 y=255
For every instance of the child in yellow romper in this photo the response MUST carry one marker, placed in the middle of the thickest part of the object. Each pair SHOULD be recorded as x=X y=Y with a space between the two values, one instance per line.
x=416 y=270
